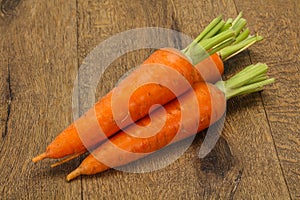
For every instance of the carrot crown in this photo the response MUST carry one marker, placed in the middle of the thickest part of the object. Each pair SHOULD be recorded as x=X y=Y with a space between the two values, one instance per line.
x=225 y=38
x=249 y=80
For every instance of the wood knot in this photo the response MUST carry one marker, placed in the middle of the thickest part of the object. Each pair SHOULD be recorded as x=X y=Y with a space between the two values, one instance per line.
x=220 y=160
x=8 y=6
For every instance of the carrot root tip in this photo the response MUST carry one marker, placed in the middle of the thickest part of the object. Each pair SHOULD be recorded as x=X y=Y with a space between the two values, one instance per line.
x=74 y=174
x=39 y=157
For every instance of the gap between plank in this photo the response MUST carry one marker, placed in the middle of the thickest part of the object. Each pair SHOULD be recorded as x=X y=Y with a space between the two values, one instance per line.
x=271 y=133
x=276 y=151
x=8 y=102
x=236 y=185
x=78 y=66
x=239 y=176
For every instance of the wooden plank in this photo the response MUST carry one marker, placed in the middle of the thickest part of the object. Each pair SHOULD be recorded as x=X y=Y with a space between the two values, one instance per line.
x=38 y=42
x=278 y=22
x=40 y=52
x=99 y=21
x=237 y=127
x=250 y=140
x=219 y=174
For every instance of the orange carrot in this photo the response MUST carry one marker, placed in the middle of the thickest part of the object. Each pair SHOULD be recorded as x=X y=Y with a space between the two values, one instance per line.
x=108 y=153
x=86 y=128
x=69 y=141
x=211 y=104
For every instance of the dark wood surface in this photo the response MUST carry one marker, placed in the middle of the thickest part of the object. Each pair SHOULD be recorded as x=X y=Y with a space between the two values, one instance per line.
x=43 y=43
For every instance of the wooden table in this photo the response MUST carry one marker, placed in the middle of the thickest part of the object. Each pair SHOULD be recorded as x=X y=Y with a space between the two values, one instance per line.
x=43 y=43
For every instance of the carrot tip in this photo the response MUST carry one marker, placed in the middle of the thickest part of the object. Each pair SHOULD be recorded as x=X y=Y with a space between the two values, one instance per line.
x=39 y=157
x=74 y=174
x=56 y=164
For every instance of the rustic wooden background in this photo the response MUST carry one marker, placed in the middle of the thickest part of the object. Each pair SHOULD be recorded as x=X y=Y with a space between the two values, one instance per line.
x=42 y=44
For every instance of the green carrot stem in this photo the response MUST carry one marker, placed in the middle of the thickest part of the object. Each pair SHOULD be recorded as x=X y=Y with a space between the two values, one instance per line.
x=218 y=37
x=222 y=46
x=249 y=80
x=242 y=36
x=229 y=21
x=232 y=50
x=240 y=15
x=214 y=30
x=211 y=42
x=209 y=28
x=239 y=25
x=259 y=78
x=198 y=51
x=227 y=25
x=254 y=87
x=247 y=75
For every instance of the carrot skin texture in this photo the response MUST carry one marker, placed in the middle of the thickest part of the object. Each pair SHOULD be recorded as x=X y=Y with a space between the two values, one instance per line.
x=211 y=68
x=211 y=103
x=70 y=141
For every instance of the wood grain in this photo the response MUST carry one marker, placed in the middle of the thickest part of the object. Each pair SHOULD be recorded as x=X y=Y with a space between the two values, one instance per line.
x=224 y=185
x=280 y=51
x=42 y=44
x=249 y=137
x=39 y=63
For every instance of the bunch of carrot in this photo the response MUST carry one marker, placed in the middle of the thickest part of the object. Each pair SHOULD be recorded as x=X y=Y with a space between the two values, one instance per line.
x=211 y=105
x=198 y=63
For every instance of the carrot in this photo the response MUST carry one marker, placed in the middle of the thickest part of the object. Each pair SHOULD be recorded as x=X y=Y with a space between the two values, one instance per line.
x=211 y=104
x=99 y=122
